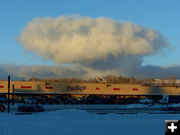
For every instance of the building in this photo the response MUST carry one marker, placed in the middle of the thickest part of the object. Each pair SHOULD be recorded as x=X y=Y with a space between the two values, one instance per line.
x=52 y=88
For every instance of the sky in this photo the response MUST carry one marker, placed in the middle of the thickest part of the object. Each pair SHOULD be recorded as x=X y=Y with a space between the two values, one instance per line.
x=162 y=16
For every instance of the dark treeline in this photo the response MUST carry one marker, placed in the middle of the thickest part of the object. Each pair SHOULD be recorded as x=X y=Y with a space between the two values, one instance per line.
x=171 y=81
x=106 y=79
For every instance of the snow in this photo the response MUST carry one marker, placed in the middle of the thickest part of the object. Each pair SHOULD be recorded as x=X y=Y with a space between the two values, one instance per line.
x=97 y=106
x=78 y=122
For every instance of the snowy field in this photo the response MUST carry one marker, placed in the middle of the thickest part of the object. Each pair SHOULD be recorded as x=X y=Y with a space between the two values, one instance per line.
x=77 y=122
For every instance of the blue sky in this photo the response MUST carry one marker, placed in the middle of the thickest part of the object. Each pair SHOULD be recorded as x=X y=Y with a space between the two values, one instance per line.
x=162 y=15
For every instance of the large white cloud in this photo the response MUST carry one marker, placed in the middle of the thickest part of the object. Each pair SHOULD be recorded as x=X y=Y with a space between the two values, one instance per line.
x=91 y=46
x=76 y=39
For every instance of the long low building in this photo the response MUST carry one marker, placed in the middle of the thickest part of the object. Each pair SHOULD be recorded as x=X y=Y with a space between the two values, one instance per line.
x=27 y=87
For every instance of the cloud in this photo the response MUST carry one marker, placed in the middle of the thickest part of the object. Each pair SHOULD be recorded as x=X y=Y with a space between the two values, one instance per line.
x=78 y=71
x=90 y=47
x=76 y=39
x=26 y=72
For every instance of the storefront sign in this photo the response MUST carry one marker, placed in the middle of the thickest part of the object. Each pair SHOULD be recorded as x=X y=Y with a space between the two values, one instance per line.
x=75 y=88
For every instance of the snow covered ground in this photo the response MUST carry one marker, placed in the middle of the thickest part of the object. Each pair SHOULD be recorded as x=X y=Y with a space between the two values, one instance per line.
x=77 y=122
x=101 y=108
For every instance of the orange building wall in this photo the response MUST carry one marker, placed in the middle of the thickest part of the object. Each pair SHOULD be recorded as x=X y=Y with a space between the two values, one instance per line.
x=87 y=88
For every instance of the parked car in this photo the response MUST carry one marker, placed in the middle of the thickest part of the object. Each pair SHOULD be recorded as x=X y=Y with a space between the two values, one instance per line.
x=101 y=100
x=112 y=100
x=30 y=100
x=82 y=100
x=38 y=108
x=79 y=100
x=44 y=99
x=146 y=101
x=174 y=99
x=71 y=101
x=56 y=99
x=133 y=100
x=160 y=101
x=30 y=108
x=90 y=100
x=3 y=99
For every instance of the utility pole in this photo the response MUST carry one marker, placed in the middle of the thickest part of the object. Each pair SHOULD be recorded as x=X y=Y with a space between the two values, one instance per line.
x=9 y=93
x=13 y=95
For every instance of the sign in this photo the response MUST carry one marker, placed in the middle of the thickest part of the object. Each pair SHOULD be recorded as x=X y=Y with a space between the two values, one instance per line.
x=116 y=88
x=75 y=88
x=26 y=87
x=49 y=87
x=135 y=89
